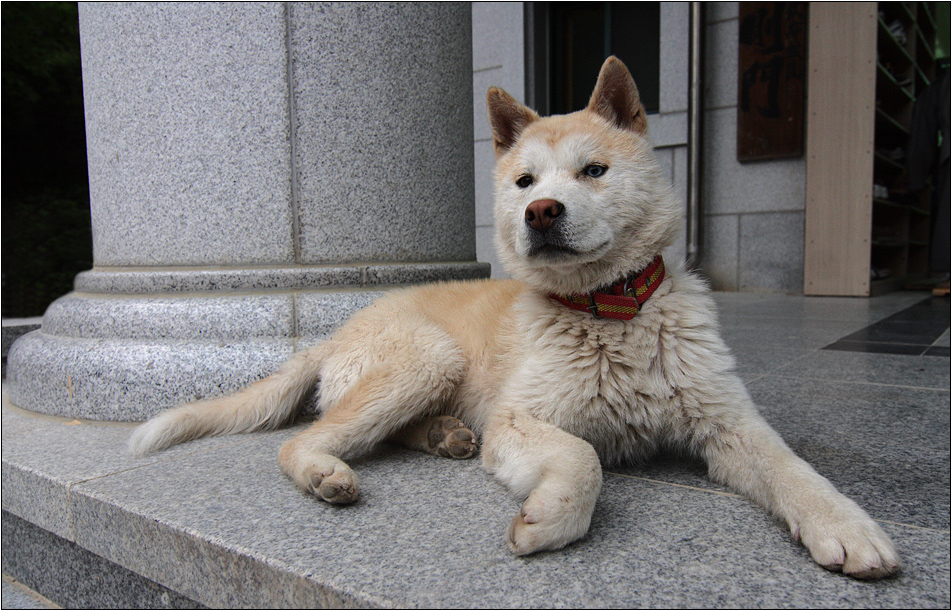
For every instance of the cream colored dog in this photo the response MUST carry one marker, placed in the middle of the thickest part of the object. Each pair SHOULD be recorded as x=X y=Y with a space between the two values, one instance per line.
x=593 y=355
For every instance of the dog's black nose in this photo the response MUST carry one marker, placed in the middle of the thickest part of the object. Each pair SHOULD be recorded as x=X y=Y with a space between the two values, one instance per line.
x=542 y=213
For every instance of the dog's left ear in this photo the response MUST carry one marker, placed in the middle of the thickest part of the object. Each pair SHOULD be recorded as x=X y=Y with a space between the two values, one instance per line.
x=616 y=97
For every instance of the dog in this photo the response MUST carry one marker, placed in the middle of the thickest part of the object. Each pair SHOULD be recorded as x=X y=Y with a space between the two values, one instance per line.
x=594 y=353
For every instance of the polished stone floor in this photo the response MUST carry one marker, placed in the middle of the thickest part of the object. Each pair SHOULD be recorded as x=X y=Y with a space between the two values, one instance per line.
x=860 y=388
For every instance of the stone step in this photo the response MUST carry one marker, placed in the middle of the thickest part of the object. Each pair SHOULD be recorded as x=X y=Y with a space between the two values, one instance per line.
x=214 y=523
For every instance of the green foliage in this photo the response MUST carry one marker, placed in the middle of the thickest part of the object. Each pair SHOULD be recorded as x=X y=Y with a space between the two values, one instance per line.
x=47 y=238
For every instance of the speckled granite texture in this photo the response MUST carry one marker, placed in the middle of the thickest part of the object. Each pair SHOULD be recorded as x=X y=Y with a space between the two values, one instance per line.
x=89 y=581
x=104 y=379
x=390 y=177
x=270 y=133
x=215 y=521
x=187 y=128
x=190 y=280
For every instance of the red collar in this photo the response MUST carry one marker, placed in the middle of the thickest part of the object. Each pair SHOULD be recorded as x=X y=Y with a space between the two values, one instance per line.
x=621 y=301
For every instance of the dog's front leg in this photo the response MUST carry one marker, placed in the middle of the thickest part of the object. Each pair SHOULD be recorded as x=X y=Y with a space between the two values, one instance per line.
x=751 y=457
x=559 y=475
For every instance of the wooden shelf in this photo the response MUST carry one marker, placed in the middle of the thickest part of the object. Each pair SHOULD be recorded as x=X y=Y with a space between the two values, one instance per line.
x=889 y=89
x=897 y=244
x=849 y=232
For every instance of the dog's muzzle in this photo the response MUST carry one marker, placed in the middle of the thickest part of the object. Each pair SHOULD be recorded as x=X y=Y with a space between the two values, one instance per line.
x=545 y=230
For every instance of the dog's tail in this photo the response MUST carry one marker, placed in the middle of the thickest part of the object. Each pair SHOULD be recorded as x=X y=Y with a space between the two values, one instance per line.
x=264 y=405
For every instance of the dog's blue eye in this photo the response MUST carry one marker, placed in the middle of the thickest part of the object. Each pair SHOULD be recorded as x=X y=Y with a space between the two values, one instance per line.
x=595 y=170
x=524 y=181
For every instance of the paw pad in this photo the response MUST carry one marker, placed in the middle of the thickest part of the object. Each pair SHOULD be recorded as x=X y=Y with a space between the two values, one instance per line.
x=449 y=437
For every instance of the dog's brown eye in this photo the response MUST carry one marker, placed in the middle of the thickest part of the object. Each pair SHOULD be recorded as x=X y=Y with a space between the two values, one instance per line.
x=594 y=170
x=524 y=181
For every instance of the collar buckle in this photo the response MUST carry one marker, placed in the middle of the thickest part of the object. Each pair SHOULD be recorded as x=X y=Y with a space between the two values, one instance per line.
x=628 y=289
x=593 y=306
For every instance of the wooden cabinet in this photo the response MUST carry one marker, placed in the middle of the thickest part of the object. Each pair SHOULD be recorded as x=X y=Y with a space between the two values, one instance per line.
x=865 y=232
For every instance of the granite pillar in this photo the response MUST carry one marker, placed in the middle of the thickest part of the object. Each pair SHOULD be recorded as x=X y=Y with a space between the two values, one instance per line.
x=257 y=173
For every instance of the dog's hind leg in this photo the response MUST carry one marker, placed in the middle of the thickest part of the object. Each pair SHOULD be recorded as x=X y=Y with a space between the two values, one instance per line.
x=750 y=457
x=440 y=435
x=559 y=475
x=379 y=397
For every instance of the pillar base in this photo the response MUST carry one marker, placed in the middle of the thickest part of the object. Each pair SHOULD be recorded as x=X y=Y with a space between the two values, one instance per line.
x=129 y=344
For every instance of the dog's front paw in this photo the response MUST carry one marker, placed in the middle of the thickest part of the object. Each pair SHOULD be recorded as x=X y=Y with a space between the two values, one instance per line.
x=848 y=540
x=548 y=524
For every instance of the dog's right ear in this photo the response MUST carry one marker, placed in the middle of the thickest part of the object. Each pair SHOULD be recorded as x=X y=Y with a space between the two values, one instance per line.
x=507 y=119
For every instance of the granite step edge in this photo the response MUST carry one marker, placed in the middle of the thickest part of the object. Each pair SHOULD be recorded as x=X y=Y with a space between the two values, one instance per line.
x=216 y=573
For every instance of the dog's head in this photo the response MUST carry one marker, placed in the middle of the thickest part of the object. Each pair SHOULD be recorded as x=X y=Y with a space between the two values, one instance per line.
x=580 y=200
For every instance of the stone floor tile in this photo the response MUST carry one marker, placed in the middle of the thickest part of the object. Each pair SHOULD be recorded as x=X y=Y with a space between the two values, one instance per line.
x=871 y=368
x=745 y=306
x=886 y=447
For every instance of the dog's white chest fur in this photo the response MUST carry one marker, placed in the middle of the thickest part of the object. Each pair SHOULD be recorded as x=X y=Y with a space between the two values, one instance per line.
x=603 y=380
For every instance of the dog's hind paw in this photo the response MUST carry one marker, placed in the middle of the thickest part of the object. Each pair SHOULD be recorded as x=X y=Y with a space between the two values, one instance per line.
x=335 y=484
x=450 y=438
x=853 y=545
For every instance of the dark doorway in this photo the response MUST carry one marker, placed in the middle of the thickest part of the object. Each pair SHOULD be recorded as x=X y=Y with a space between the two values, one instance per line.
x=576 y=37
x=47 y=236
